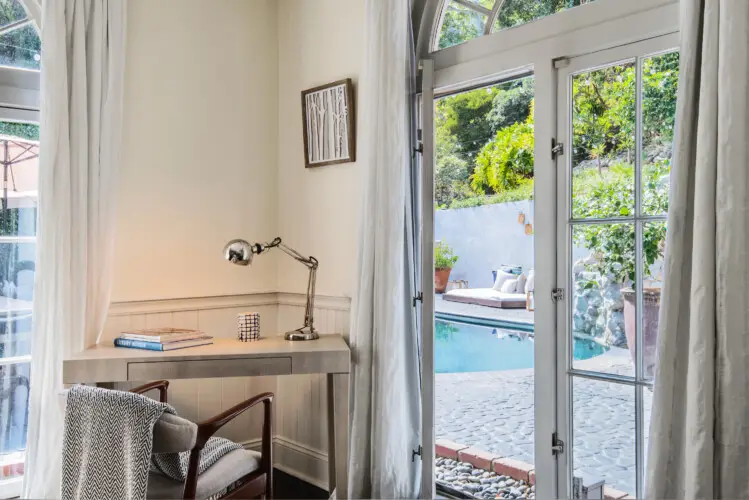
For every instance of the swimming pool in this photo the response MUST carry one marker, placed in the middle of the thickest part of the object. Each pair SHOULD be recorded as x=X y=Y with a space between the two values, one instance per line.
x=461 y=347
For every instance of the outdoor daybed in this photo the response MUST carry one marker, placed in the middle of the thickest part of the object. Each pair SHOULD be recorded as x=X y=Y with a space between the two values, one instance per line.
x=486 y=297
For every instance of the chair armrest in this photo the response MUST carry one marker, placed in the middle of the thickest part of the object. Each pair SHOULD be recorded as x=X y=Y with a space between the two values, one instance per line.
x=161 y=385
x=207 y=428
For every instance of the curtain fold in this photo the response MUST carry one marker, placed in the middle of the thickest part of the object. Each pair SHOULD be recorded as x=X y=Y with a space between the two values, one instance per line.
x=699 y=434
x=83 y=58
x=385 y=404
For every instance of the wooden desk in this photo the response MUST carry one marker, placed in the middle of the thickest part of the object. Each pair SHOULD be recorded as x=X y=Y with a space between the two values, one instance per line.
x=330 y=354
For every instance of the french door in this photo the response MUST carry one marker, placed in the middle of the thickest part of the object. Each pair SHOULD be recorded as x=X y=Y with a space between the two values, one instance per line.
x=615 y=128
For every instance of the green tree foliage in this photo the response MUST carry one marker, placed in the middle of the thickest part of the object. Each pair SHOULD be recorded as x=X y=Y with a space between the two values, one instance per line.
x=466 y=117
x=21 y=130
x=517 y=12
x=613 y=245
x=451 y=170
x=506 y=161
x=603 y=113
x=20 y=47
x=461 y=24
x=512 y=104
x=660 y=78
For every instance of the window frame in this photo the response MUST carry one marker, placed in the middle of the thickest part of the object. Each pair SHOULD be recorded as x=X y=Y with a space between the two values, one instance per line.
x=10 y=488
x=19 y=102
x=537 y=47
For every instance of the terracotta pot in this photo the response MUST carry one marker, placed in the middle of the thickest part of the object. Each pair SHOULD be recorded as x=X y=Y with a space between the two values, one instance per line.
x=441 y=277
x=651 y=301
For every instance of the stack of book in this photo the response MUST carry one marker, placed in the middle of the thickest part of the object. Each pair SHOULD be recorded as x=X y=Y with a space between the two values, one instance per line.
x=162 y=339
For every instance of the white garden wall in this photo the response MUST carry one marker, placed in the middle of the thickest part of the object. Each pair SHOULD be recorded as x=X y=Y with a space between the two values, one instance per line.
x=486 y=237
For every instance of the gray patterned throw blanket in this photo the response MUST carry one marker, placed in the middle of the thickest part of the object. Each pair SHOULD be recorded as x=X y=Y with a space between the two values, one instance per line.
x=108 y=442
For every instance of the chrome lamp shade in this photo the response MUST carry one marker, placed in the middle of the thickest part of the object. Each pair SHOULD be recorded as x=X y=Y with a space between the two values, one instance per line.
x=241 y=253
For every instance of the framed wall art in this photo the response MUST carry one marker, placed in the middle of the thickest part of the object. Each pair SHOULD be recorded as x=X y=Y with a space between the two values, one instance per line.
x=329 y=124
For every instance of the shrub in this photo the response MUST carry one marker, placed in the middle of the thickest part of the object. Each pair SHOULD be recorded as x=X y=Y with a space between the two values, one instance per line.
x=444 y=257
x=506 y=161
x=611 y=194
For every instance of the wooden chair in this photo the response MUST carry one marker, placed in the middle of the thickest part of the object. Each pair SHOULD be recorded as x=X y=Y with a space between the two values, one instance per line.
x=238 y=474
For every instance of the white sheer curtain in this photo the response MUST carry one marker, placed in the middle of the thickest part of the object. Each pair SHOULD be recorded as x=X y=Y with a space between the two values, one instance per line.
x=699 y=434
x=385 y=425
x=83 y=53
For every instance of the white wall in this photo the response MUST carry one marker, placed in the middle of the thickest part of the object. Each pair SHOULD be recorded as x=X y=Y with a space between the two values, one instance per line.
x=212 y=151
x=320 y=41
x=199 y=148
x=486 y=237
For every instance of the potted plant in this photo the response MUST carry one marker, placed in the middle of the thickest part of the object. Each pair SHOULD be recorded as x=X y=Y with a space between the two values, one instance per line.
x=444 y=261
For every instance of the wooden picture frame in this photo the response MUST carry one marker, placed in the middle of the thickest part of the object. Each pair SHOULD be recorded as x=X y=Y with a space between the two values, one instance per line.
x=329 y=124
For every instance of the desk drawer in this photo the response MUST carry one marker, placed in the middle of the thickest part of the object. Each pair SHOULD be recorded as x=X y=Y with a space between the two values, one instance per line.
x=208 y=368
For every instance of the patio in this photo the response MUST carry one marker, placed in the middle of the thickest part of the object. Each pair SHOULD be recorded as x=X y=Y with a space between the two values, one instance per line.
x=494 y=411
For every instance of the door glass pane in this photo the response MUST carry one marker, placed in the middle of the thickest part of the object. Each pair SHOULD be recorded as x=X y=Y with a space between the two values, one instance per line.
x=14 y=417
x=603 y=433
x=460 y=24
x=660 y=76
x=19 y=164
x=603 y=142
x=485 y=341
x=603 y=270
x=653 y=249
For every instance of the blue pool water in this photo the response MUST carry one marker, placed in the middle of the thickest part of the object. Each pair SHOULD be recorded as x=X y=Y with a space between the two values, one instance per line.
x=460 y=347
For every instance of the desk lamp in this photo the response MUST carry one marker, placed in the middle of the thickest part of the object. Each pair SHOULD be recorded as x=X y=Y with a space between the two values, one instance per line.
x=241 y=253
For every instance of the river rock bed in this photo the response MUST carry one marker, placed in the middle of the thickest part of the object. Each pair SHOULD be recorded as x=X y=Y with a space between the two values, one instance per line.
x=480 y=483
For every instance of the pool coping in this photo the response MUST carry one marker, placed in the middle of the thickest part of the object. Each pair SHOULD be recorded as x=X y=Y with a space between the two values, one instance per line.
x=488 y=322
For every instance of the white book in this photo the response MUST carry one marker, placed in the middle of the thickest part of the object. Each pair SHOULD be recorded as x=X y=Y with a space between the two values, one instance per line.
x=162 y=335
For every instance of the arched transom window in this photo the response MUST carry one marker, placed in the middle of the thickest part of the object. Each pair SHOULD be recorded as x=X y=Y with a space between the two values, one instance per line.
x=463 y=20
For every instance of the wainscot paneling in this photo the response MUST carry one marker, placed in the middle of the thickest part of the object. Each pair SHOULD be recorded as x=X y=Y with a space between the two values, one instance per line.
x=300 y=416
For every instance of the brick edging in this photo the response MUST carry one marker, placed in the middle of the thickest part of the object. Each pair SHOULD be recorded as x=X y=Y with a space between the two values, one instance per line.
x=481 y=459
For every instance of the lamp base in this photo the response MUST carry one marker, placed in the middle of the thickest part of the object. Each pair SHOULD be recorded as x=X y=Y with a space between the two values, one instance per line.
x=304 y=333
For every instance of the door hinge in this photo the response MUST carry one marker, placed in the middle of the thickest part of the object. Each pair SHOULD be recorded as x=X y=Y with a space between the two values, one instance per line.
x=419 y=142
x=557 y=294
x=414 y=453
x=419 y=297
x=557 y=149
x=557 y=445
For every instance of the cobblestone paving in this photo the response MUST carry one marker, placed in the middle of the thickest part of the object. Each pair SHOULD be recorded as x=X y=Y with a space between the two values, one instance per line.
x=494 y=411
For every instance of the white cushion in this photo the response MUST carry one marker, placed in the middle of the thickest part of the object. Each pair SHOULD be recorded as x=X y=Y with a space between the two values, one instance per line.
x=502 y=276
x=173 y=434
x=531 y=281
x=521 y=283
x=231 y=467
x=509 y=286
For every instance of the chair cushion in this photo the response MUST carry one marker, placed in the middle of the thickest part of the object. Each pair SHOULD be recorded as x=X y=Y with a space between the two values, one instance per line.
x=172 y=434
x=218 y=476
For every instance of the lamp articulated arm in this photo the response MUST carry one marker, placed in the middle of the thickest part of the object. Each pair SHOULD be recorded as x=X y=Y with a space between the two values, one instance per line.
x=241 y=253
x=311 y=264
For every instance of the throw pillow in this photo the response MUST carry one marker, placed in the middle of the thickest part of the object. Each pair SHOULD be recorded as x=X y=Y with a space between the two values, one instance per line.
x=531 y=281
x=522 y=279
x=502 y=276
x=509 y=286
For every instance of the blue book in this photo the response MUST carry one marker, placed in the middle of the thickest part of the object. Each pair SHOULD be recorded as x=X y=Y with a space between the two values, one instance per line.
x=158 y=346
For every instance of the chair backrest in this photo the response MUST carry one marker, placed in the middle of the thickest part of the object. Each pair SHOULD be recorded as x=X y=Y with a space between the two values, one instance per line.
x=173 y=434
